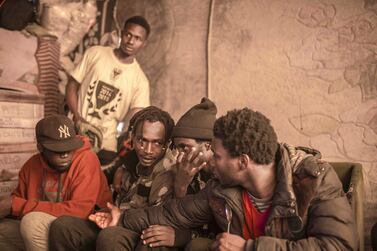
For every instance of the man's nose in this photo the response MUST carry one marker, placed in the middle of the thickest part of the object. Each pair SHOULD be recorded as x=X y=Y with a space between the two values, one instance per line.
x=64 y=155
x=131 y=40
x=148 y=147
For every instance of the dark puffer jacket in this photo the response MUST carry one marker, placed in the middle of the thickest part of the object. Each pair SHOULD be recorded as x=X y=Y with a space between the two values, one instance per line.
x=309 y=208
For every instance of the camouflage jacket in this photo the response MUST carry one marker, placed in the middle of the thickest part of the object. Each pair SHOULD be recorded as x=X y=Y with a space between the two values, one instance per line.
x=140 y=191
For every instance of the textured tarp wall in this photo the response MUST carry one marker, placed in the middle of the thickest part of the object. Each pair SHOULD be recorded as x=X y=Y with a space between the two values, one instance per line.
x=310 y=66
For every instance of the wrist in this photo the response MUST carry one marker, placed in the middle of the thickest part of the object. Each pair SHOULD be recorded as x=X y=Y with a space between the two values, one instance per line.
x=180 y=191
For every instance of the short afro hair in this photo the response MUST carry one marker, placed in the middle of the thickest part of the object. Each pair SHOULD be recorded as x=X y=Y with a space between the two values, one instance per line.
x=244 y=131
x=152 y=114
x=139 y=20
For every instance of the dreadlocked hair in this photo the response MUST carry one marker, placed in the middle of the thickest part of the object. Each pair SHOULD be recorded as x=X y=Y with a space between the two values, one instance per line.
x=152 y=114
x=244 y=131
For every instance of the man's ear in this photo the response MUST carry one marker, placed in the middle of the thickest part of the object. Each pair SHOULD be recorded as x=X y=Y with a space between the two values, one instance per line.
x=244 y=161
x=207 y=145
x=145 y=43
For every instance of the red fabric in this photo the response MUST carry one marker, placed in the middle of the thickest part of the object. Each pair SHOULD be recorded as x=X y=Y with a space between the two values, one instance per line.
x=83 y=186
x=255 y=221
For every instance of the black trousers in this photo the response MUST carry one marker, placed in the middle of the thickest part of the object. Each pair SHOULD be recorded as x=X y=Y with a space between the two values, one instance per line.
x=69 y=233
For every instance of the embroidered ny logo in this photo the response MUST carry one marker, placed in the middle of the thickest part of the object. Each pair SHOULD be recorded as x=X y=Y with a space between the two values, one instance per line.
x=64 y=132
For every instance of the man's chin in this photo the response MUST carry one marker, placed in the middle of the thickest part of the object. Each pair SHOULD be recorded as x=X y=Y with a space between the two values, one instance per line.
x=148 y=163
x=125 y=53
x=61 y=169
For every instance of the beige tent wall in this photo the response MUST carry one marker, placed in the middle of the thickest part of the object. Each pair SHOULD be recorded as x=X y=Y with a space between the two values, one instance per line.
x=310 y=66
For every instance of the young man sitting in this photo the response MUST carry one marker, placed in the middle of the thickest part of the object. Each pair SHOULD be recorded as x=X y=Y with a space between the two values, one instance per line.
x=65 y=178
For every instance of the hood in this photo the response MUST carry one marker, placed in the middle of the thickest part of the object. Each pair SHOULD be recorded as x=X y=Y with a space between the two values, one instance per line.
x=85 y=147
x=295 y=155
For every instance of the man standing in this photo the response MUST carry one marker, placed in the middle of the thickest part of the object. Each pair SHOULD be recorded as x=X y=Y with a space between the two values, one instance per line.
x=146 y=183
x=268 y=196
x=65 y=178
x=109 y=86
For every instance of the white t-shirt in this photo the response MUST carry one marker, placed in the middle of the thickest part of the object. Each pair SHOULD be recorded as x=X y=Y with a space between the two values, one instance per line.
x=109 y=89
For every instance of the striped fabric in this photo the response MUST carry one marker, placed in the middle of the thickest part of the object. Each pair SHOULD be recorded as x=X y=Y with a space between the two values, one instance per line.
x=261 y=204
x=47 y=56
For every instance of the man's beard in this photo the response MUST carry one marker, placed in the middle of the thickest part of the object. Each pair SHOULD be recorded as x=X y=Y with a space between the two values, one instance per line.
x=60 y=169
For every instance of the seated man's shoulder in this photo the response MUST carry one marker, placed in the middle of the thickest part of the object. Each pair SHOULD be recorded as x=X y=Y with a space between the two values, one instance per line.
x=167 y=163
x=318 y=176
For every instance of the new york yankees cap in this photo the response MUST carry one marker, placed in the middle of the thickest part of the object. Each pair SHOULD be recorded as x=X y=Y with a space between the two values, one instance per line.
x=57 y=133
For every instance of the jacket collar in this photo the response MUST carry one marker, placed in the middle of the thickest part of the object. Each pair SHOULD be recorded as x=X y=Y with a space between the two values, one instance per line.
x=284 y=202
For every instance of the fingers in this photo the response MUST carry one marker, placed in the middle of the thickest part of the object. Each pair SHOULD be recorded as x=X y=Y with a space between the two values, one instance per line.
x=151 y=231
x=180 y=157
x=195 y=155
x=157 y=243
x=153 y=238
x=156 y=235
x=92 y=217
x=200 y=167
x=100 y=219
x=110 y=206
x=192 y=157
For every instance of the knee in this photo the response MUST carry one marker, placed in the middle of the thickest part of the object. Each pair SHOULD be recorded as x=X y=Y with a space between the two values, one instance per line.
x=61 y=226
x=35 y=224
x=117 y=238
x=108 y=235
x=72 y=233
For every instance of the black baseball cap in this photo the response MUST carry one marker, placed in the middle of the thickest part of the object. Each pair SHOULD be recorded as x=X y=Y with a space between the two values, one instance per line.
x=57 y=133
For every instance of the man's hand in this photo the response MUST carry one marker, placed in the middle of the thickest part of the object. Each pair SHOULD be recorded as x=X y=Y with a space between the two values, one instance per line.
x=105 y=219
x=231 y=242
x=158 y=236
x=5 y=206
x=189 y=163
x=78 y=119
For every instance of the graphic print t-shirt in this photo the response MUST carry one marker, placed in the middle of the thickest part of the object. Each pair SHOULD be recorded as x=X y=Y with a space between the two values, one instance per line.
x=109 y=89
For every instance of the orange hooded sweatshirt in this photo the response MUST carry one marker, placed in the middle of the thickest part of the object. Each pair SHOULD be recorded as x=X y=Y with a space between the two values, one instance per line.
x=82 y=187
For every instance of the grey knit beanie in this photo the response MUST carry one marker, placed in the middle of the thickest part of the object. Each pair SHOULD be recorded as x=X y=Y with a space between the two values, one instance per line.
x=197 y=123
